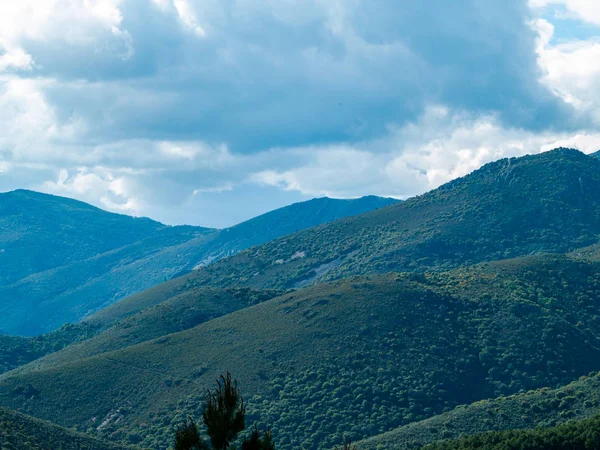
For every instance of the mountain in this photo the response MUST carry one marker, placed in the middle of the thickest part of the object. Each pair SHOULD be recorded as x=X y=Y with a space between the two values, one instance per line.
x=352 y=351
x=16 y=351
x=40 y=232
x=20 y=432
x=61 y=259
x=356 y=357
x=512 y=207
x=288 y=220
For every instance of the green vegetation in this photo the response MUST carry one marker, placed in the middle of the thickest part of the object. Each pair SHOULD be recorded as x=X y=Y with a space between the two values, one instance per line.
x=357 y=351
x=61 y=260
x=16 y=351
x=581 y=435
x=19 y=432
x=138 y=321
x=538 y=408
x=392 y=350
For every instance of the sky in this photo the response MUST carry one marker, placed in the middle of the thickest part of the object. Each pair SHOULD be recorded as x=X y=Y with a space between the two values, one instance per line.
x=210 y=112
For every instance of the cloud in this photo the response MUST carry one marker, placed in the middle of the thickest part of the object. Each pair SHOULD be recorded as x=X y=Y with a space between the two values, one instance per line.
x=54 y=36
x=438 y=147
x=571 y=70
x=184 y=109
x=585 y=10
x=114 y=193
x=259 y=75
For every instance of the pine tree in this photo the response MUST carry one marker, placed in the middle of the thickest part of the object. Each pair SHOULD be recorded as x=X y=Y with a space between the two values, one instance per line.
x=225 y=413
x=188 y=438
x=255 y=442
x=224 y=416
x=347 y=445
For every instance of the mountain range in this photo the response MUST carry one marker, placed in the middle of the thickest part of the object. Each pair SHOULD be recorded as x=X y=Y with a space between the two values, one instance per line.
x=61 y=260
x=469 y=309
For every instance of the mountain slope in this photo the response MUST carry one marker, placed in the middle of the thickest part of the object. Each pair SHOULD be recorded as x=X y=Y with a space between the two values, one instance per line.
x=40 y=232
x=546 y=202
x=20 y=432
x=581 y=435
x=356 y=357
x=539 y=408
x=44 y=301
x=109 y=257
x=175 y=314
x=288 y=220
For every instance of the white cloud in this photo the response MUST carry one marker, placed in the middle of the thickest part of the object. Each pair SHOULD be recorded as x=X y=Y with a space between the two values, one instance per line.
x=188 y=16
x=571 y=70
x=59 y=23
x=14 y=58
x=441 y=146
x=586 y=10
x=101 y=187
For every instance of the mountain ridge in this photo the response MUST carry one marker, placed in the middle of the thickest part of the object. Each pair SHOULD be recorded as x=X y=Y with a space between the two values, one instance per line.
x=507 y=208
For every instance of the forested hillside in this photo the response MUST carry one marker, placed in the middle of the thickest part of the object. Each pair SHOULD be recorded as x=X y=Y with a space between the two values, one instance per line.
x=330 y=342
x=538 y=408
x=430 y=341
x=581 y=435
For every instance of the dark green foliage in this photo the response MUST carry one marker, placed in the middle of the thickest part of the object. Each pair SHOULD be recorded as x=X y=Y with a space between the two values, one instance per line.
x=257 y=442
x=347 y=445
x=579 y=435
x=187 y=437
x=20 y=432
x=225 y=413
x=354 y=358
x=539 y=408
x=16 y=351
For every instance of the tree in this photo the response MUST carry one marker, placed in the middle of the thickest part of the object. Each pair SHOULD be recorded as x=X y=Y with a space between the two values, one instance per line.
x=347 y=445
x=224 y=416
x=225 y=413
x=255 y=442
x=188 y=438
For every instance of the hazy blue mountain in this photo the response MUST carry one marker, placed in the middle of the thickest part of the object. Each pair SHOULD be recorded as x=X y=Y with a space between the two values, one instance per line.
x=62 y=259
x=40 y=232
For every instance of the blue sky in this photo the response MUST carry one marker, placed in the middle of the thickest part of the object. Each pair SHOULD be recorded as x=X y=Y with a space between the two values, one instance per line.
x=210 y=112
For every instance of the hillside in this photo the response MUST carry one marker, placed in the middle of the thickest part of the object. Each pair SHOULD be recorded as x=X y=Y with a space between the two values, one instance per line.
x=93 y=258
x=16 y=351
x=392 y=350
x=40 y=232
x=581 y=435
x=113 y=330
x=287 y=220
x=20 y=432
x=539 y=408
x=518 y=206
